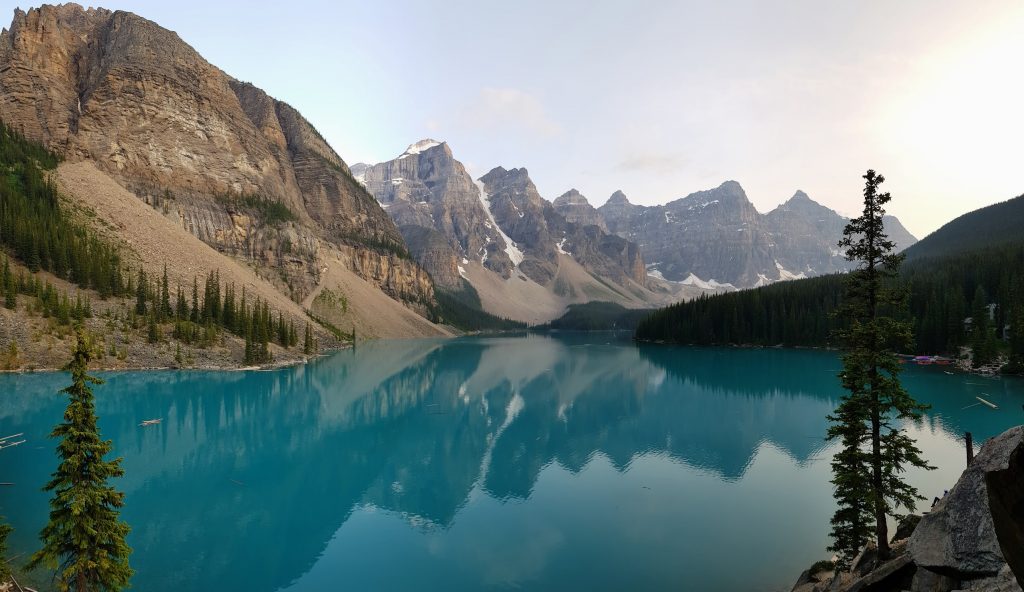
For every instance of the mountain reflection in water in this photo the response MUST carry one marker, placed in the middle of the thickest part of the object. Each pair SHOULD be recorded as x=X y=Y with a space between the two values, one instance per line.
x=254 y=478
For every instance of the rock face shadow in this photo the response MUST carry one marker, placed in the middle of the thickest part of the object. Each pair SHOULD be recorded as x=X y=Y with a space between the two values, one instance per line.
x=1006 y=502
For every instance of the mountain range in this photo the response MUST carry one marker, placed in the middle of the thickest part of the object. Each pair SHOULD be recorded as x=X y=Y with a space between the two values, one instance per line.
x=717 y=238
x=491 y=230
x=146 y=126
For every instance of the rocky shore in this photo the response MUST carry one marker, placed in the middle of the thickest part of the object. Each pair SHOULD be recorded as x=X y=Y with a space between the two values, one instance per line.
x=971 y=540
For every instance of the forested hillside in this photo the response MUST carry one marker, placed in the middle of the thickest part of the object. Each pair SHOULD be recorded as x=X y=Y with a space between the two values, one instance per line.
x=597 y=316
x=979 y=282
x=53 y=259
x=995 y=225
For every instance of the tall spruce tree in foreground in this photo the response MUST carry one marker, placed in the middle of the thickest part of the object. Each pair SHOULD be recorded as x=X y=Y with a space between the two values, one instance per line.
x=84 y=540
x=874 y=451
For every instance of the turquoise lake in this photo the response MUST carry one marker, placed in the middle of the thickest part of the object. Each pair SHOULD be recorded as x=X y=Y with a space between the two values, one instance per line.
x=491 y=463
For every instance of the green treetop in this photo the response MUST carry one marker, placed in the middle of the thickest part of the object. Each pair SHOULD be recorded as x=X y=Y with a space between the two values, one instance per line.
x=84 y=540
x=874 y=450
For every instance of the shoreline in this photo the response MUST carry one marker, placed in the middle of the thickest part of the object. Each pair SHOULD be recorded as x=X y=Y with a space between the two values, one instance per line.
x=956 y=364
x=273 y=365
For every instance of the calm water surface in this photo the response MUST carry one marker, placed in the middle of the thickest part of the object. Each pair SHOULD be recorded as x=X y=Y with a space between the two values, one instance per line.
x=534 y=463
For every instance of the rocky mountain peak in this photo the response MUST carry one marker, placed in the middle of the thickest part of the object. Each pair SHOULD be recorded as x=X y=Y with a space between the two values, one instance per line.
x=577 y=210
x=731 y=190
x=519 y=175
x=729 y=194
x=571 y=197
x=618 y=199
x=423 y=146
x=801 y=204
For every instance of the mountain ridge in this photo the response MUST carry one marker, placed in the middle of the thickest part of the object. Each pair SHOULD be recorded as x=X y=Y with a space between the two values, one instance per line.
x=500 y=224
x=245 y=173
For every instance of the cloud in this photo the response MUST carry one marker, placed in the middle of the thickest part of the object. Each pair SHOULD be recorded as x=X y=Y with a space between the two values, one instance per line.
x=510 y=109
x=651 y=163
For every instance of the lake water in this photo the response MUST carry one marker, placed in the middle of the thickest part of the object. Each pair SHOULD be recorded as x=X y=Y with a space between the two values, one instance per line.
x=535 y=463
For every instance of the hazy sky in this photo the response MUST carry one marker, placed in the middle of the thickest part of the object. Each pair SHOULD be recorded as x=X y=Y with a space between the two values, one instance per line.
x=658 y=99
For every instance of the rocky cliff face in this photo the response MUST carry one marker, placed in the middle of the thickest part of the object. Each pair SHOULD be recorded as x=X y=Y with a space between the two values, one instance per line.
x=713 y=235
x=500 y=220
x=146 y=108
x=425 y=187
x=717 y=237
x=543 y=233
x=575 y=208
x=805 y=235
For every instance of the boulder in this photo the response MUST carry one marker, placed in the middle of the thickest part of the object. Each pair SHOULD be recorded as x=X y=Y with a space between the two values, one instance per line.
x=906 y=527
x=895 y=574
x=1006 y=501
x=958 y=538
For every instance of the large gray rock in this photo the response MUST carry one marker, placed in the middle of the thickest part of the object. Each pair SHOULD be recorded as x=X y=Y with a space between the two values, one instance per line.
x=958 y=537
x=1006 y=501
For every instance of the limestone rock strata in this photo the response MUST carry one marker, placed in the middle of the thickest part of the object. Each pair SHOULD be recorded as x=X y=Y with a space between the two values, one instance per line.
x=147 y=109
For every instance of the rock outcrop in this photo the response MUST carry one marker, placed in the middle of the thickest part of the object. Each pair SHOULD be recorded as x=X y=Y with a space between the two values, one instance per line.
x=970 y=540
x=575 y=208
x=959 y=538
x=244 y=172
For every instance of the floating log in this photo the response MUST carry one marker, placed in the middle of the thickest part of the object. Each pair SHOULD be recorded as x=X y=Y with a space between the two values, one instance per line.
x=10 y=444
x=150 y=422
x=11 y=436
x=990 y=404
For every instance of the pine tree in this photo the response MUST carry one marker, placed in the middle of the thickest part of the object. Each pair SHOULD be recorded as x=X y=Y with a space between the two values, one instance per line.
x=5 y=531
x=195 y=300
x=982 y=346
x=84 y=540
x=140 y=293
x=874 y=450
x=307 y=345
x=165 y=297
x=10 y=292
x=153 y=332
x=282 y=330
x=181 y=307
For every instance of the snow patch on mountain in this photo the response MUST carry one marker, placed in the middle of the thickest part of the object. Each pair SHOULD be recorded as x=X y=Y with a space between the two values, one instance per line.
x=712 y=284
x=510 y=247
x=703 y=205
x=418 y=147
x=785 y=274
